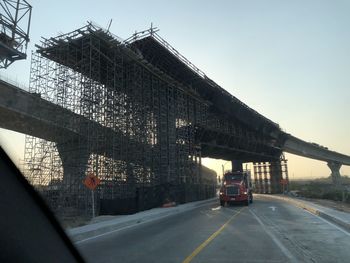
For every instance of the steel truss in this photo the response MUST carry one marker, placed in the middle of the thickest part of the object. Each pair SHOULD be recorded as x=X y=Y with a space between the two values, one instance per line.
x=15 y=16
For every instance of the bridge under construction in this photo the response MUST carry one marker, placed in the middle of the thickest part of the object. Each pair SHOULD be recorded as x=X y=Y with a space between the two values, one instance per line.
x=138 y=116
x=158 y=115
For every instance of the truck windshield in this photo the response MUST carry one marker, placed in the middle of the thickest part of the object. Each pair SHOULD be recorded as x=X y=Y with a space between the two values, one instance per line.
x=233 y=177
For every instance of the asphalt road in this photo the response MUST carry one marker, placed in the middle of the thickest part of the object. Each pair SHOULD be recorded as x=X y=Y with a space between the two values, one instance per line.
x=267 y=231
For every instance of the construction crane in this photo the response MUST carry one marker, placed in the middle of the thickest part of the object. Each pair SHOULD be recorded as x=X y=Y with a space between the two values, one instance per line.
x=15 y=19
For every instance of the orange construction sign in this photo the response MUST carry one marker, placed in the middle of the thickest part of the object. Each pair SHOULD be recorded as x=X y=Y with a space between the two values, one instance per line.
x=91 y=181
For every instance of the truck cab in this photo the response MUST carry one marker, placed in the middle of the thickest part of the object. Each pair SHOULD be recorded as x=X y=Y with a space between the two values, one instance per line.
x=236 y=188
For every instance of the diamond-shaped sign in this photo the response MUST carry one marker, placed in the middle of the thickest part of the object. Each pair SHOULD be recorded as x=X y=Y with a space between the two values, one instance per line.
x=91 y=181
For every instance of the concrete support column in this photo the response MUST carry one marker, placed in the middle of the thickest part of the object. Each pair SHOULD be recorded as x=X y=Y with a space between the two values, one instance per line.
x=275 y=177
x=237 y=165
x=198 y=164
x=74 y=159
x=266 y=175
x=335 y=174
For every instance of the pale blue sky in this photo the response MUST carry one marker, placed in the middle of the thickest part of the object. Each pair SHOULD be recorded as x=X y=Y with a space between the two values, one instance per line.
x=289 y=60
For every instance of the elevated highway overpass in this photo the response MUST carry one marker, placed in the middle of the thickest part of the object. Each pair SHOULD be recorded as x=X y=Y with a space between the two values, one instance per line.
x=145 y=112
x=29 y=114
x=315 y=151
x=300 y=147
x=161 y=54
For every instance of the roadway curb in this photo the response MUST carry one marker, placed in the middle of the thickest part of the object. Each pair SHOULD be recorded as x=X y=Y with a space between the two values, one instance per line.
x=90 y=231
x=313 y=210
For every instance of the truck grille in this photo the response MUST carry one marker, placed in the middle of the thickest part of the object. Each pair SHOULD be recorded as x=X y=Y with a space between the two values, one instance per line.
x=232 y=190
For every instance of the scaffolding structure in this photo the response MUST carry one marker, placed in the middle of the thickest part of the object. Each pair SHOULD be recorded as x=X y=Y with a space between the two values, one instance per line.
x=139 y=116
x=135 y=128
x=271 y=177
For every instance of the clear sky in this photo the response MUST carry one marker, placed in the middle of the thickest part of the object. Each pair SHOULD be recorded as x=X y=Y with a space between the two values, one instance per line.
x=289 y=60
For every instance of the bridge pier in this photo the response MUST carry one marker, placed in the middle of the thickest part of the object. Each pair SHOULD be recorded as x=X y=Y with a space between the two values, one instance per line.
x=335 y=174
x=275 y=177
x=74 y=161
x=237 y=165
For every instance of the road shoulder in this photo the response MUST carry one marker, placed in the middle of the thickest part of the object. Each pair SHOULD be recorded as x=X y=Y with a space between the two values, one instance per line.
x=339 y=218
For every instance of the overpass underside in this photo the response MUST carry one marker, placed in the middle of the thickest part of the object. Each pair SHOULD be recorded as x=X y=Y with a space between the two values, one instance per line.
x=162 y=127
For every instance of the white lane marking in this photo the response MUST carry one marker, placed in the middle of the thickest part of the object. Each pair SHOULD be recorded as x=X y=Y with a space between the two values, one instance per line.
x=284 y=250
x=273 y=208
x=216 y=208
x=205 y=213
x=329 y=223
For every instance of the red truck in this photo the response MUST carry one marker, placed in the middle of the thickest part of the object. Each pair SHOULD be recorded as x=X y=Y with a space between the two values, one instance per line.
x=236 y=187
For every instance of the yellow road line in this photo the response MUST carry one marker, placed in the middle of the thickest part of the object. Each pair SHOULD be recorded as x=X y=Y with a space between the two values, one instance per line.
x=206 y=242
